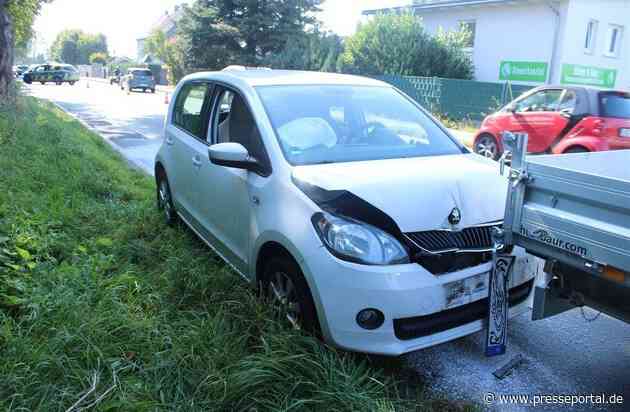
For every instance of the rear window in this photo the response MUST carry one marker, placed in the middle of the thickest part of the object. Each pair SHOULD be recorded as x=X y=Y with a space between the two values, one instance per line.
x=615 y=105
x=141 y=73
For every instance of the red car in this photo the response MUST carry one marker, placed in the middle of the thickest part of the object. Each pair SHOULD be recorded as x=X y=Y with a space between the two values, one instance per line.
x=560 y=119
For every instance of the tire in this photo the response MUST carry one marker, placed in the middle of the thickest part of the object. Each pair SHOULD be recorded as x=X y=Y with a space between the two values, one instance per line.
x=486 y=145
x=576 y=149
x=42 y=82
x=165 y=200
x=284 y=285
x=72 y=83
x=152 y=90
x=144 y=90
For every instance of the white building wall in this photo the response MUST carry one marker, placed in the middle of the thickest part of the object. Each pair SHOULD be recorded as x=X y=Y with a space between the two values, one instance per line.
x=519 y=32
x=606 y=12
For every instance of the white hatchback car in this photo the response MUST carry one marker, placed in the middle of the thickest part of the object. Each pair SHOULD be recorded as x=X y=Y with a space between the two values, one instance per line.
x=346 y=201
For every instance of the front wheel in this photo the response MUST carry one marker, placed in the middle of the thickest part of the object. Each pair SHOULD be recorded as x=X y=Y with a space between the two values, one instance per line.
x=165 y=200
x=152 y=90
x=72 y=83
x=285 y=286
x=487 y=146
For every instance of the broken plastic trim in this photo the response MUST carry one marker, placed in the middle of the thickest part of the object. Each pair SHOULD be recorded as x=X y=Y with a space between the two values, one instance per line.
x=346 y=204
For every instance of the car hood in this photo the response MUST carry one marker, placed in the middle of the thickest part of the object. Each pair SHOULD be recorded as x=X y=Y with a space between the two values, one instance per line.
x=419 y=193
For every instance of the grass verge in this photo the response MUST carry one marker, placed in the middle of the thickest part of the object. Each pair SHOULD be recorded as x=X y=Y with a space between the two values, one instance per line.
x=103 y=306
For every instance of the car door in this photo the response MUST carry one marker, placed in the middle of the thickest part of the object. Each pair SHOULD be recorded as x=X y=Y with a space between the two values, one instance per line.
x=615 y=109
x=539 y=116
x=226 y=195
x=185 y=141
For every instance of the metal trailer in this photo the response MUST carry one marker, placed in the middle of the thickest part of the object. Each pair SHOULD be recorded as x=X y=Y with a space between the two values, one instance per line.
x=573 y=211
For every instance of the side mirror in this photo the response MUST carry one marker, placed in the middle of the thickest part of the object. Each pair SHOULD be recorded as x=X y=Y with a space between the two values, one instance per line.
x=232 y=155
x=510 y=108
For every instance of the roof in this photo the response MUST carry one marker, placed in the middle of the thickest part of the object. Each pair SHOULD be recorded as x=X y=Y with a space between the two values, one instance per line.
x=441 y=4
x=255 y=78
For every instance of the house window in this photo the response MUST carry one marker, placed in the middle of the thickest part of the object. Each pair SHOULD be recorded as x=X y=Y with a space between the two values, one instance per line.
x=614 y=40
x=591 y=36
x=470 y=26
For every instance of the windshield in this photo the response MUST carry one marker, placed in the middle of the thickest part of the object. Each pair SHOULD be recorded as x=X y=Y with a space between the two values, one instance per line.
x=615 y=104
x=141 y=73
x=330 y=124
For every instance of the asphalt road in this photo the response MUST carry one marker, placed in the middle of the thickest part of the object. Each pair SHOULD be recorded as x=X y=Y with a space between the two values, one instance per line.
x=564 y=355
x=132 y=123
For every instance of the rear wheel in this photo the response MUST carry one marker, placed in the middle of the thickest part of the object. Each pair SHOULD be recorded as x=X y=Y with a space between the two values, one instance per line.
x=284 y=284
x=42 y=82
x=486 y=145
x=152 y=90
x=72 y=83
x=165 y=200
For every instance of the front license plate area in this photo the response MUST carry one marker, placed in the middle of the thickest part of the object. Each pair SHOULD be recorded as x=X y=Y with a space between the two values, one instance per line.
x=498 y=304
x=467 y=290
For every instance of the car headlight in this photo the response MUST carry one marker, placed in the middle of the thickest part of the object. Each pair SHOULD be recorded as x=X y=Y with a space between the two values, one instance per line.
x=358 y=242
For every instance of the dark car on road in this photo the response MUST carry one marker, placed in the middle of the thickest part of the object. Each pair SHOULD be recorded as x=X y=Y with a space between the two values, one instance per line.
x=560 y=119
x=19 y=70
x=138 y=78
x=53 y=73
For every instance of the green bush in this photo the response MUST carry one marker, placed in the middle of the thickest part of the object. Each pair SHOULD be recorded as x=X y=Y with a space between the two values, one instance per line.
x=398 y=44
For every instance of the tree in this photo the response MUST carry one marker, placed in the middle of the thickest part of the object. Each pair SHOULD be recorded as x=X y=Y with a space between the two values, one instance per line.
x=313 y=50
x=16 y=29
x=98 y=58
x=216 y=33
x=167 y=50
x=398 y=44
x=76 y=46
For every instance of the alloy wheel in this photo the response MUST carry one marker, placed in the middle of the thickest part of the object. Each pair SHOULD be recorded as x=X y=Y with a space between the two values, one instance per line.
x=487 y=147
x=284 y=293
x=165 y=200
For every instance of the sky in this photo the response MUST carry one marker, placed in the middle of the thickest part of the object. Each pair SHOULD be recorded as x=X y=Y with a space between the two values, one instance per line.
x=122 y=21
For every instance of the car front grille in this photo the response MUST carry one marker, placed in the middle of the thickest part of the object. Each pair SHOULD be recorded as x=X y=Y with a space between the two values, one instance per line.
x=476 y=238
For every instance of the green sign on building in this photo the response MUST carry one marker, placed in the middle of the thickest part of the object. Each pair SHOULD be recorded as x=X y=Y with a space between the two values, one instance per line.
x=523 y=71
x=588 y=75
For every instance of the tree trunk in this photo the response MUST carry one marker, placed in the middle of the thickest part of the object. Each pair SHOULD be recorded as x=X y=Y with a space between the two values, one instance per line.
x=6 y=52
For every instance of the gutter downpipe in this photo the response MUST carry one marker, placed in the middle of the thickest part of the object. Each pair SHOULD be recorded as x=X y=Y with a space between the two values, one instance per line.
x=556 y=32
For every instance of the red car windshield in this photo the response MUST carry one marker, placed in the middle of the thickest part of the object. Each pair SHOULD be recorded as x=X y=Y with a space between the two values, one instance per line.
x=615 y=104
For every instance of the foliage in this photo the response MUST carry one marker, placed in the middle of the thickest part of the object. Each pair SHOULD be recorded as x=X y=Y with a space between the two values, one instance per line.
x=315 y=50
x=167 y=50
x=217 y=33
x=99 y=57
x=76 y=46
x=398 y=44
x=117 y=299
x=23 y=13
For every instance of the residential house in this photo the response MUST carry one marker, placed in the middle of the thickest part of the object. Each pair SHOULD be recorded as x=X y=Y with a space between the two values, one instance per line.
x=538 y=41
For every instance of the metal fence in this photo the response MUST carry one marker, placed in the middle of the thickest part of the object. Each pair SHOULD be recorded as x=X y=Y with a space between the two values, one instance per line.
x=457 y=99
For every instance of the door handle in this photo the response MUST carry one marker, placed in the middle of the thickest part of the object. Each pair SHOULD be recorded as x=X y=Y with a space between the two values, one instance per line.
x=196 y=161
x=169 y=140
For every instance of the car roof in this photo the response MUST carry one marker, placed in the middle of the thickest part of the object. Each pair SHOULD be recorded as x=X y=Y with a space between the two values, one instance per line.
x=266 y=77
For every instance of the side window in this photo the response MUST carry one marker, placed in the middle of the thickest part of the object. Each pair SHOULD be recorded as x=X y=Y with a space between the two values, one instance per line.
x=542 y=101
x=188 y=113
x=569 y=101
x=234 y=122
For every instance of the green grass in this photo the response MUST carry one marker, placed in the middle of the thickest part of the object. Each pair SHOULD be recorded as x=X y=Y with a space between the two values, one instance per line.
x=103 y=304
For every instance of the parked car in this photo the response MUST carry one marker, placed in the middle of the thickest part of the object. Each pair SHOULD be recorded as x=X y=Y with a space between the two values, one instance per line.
x=55 y=73
x=19 y=70
x=346 y=202
x=560 y=119
x=138 y=79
